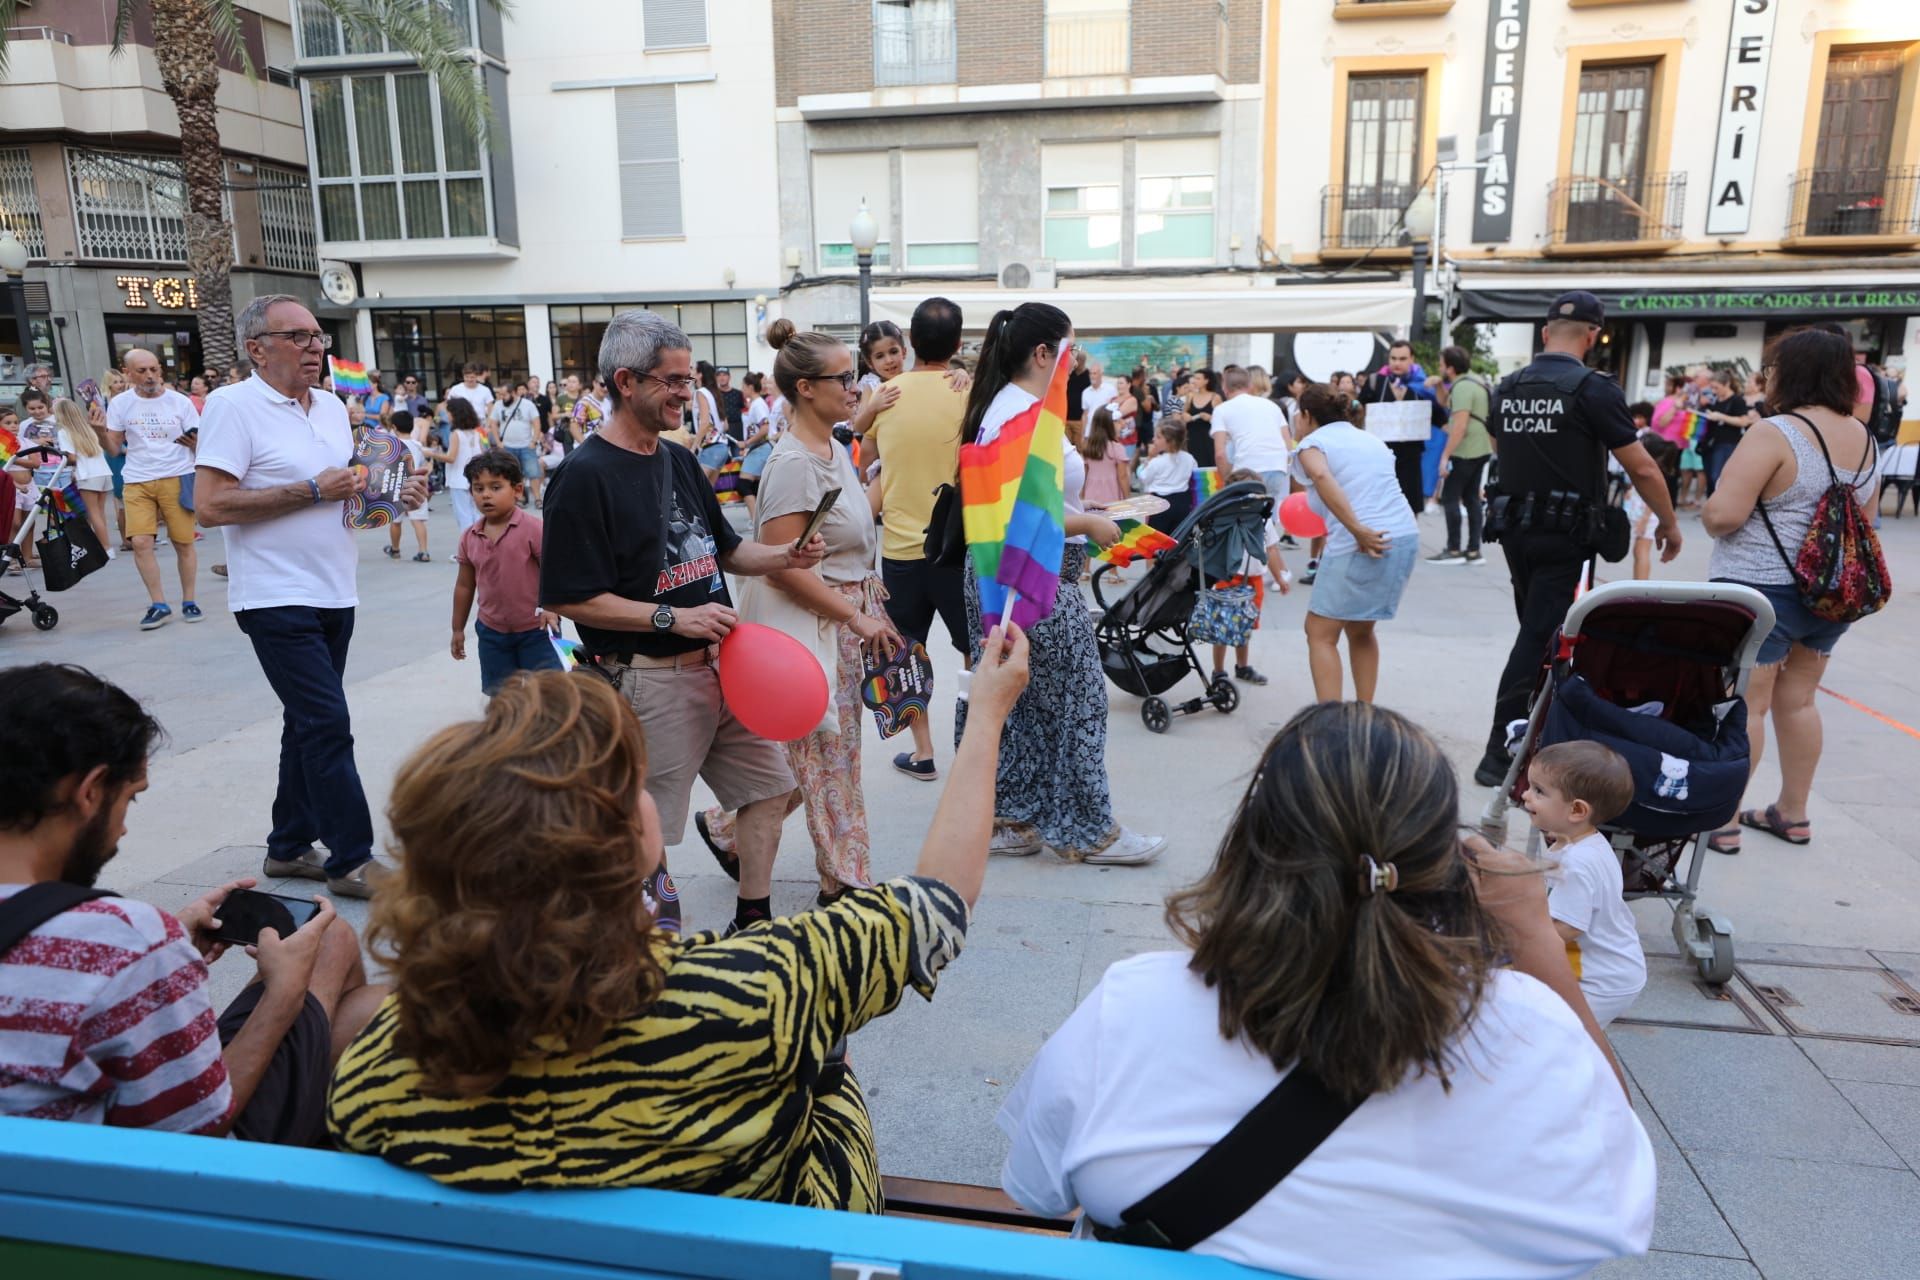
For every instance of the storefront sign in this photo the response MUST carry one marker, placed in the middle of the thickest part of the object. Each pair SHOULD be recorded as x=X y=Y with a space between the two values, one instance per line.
x=174 y=293
x=1500 y=120
x=1786 y=302
x=1743 y=98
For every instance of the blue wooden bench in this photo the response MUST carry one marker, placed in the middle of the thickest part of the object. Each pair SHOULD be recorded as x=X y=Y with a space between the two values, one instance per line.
x=80 y=1200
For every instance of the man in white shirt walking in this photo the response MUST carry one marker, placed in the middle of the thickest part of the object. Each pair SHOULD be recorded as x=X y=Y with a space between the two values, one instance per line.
x=1250 y=432
x=155 y=425
x=274 y=468
x=1099 y=392
x=473 y=391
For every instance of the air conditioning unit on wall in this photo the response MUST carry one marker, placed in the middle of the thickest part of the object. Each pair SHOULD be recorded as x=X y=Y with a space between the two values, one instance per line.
x=1035 y=275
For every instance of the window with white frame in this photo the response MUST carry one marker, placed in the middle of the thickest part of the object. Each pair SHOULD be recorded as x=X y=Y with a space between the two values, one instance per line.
x=940 y=208
x=286 y=212
x=1173 y=199
x=321 y=33
x=393 y=160
x=128 y=205
x=673 y=24
x=841 y=180
x=20 y=202
x=647 y=122
x=1082 y=183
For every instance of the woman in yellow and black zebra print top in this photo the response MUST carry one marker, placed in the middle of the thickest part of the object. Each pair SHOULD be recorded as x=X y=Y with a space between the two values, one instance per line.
x=541 y=1033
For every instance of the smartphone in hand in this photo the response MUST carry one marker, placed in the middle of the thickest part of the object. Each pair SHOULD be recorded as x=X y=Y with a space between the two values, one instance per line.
x=247 y=911
x=818 y=518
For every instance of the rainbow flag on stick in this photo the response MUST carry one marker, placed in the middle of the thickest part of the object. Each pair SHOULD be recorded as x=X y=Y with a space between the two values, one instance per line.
x=1012 y=497
x=1138 y=541
x=349 y=377
x=1207 y=481
x=1691 y=427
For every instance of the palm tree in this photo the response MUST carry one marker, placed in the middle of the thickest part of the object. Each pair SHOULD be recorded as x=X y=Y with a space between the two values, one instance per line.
x=189 y=37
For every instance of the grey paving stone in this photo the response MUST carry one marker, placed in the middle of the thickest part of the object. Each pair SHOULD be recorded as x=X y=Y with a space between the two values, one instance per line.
x=1685 y=1220
x=1662 y=1265
x=1843 y=1002
x=1104 y=949
x=1794 y=953
x=1134 y=920
x=1904 y=963
x=1754 y=1095
x=1810 y=1220
x=1674 y=995
x=1851 y=1060
x=1894 y=1112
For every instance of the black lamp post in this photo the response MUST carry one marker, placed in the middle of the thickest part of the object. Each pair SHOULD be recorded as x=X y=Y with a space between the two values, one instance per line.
x=865 y=235
x=1418 y=221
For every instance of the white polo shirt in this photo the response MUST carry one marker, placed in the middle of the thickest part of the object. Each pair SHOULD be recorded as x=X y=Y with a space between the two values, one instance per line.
x=265 y=440
x=152 y=425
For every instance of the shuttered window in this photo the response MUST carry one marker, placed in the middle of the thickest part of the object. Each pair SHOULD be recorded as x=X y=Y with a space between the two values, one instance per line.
x=674 y=24
x=648 y=126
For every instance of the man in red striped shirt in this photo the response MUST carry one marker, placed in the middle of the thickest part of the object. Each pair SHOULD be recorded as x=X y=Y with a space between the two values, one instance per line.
x=105 y=1016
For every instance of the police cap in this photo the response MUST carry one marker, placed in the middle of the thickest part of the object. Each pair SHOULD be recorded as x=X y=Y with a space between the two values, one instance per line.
x=1577 y=304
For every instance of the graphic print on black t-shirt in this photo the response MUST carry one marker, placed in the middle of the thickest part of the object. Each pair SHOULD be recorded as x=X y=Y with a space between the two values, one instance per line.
x=690 y=553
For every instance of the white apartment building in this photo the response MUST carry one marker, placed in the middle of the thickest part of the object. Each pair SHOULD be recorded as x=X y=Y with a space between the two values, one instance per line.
x=630 y=164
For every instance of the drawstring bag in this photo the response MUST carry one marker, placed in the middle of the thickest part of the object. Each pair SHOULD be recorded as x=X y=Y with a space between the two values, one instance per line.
x=1223 y=615
x=69 y=551
x=1839 y=571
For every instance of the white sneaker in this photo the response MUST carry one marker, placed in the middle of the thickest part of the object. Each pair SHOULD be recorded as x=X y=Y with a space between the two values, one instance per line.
x=1129 y=849
x=1013 y=840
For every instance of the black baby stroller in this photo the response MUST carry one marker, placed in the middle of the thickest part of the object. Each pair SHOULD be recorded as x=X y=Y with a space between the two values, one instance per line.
x=44 y=615
x=1143 y=639
x=1657 y=671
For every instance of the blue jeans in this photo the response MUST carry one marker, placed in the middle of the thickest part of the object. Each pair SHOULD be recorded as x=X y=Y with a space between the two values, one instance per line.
x=1716 y=462
x=504 y=652
x=303 y=652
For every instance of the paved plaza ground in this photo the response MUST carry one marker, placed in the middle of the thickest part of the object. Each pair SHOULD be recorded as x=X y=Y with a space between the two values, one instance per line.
x=1785 y=1109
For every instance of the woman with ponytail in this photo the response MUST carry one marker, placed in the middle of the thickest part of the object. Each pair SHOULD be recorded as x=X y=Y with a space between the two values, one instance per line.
x=1346 y=930
x=1052 y=780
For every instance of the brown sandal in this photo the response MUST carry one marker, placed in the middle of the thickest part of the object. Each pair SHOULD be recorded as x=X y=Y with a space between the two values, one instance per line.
x=1726 y=840
x=1770 y=821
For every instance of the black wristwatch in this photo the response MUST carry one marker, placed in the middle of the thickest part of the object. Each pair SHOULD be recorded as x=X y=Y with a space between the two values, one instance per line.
x=663 y=618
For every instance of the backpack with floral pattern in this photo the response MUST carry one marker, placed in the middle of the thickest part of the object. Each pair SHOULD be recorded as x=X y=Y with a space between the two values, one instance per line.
x=1839 y=570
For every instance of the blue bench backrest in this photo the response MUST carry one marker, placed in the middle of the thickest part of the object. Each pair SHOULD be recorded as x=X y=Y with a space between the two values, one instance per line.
x=331 y=1216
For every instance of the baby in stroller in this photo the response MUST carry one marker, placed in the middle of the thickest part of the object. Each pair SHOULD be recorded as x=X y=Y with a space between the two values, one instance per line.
x=1572 y=789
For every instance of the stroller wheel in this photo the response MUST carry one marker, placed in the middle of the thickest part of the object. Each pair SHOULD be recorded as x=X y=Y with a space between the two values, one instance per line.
x=1223 y=694
x=1155 y=714
x=46 y=617
x=1718 y=971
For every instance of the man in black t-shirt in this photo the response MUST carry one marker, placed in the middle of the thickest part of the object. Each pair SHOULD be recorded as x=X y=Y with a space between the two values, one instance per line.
x=1726 y=424
x=1400 y=379
x=733 y=404
x=1554 y=423
x=636 y=553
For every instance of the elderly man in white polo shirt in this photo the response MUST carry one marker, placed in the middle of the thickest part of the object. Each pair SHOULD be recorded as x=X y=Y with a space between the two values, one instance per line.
x=274 y=468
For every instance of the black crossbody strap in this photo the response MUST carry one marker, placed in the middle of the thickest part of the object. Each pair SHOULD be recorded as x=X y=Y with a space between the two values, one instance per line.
x=38 y=903
x=1238 y=1171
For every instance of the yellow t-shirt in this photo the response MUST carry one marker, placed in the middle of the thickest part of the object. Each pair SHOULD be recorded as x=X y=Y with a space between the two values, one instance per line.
x=919 y=443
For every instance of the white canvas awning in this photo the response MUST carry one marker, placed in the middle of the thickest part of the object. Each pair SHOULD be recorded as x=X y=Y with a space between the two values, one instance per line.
x=1245 y=309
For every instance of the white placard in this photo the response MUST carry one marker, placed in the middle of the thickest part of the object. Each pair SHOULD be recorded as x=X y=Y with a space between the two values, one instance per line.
x=1400 y=421
x=1320 y=355
x=1743 y=99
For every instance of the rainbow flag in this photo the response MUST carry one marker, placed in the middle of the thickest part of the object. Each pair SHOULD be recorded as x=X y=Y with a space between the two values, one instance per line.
x=1012 y=497
x=1691 y=426
x=1207 y=481
x=9 y=445
x=349 y=378
x=1138 y=541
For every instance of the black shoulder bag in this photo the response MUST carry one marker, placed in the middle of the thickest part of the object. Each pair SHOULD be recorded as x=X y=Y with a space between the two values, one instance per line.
x=946 y=542
x=38 y=903
x=1236 y=1173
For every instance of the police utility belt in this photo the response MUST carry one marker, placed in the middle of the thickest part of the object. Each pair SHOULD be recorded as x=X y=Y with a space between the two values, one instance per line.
x=1555 y=511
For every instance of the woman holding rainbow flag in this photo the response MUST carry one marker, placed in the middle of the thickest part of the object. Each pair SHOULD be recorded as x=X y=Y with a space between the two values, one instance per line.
x=1051 y=785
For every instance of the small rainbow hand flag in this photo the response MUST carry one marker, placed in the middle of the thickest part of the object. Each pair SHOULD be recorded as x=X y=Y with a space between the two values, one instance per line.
x=349 y=377
x=1692 y=426
x=9 y=445
x=1206 y=483
x=1012 y=496
x=1138 y=541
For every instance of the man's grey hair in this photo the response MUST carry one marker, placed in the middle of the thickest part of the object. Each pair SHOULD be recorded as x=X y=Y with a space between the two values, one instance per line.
x=252 y=322
x=634 y=340
x=39 y=370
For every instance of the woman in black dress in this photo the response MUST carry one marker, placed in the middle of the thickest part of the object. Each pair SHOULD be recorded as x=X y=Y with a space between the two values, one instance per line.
x=1203 y=397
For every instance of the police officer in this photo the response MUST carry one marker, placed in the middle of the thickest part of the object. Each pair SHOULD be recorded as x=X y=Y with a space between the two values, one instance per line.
x=1555 y=421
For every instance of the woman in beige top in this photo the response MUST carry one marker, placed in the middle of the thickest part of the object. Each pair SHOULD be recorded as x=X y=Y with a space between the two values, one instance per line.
x=815 y=373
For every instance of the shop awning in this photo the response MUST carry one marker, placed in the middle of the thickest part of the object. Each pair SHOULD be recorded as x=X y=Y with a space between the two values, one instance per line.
x=1247 y=309
x=1732 y=295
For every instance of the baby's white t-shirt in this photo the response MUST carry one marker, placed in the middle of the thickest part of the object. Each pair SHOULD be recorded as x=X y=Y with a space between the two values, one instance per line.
x=1586 y=892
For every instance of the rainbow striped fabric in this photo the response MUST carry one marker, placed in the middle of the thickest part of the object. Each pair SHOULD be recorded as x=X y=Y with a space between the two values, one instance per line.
x=1690 y=427
x=1206 y=482
x=1012 y=497
x=349 y=377
x=1138 y=541
x=9 y=445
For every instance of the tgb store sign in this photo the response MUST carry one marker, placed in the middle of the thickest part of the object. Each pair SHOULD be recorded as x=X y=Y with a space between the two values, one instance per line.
x=1743 y=96
x=1500 y=120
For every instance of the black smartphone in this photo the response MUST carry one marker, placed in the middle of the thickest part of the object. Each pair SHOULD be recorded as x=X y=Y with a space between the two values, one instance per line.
x=246 y=912
x=819 y=517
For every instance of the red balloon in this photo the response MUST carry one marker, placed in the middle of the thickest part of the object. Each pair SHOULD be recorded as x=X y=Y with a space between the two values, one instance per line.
x=1298 y=519
x=772 y=683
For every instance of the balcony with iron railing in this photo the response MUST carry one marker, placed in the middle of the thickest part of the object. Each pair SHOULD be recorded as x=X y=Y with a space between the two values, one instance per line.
x=1364 y=218
x=1841 y=208
x=913 y=44
x=1089 y=43
x=1641 y=214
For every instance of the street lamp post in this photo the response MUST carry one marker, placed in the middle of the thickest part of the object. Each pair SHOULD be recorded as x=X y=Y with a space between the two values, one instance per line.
x=864 y=232
x=1419 y=220
x=13 y=266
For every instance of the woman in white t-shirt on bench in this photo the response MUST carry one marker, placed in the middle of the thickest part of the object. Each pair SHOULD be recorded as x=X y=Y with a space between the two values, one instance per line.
x=1346 y=931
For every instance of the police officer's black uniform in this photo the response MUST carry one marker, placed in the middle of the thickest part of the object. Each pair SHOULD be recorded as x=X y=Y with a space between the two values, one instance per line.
x=1555 y=421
